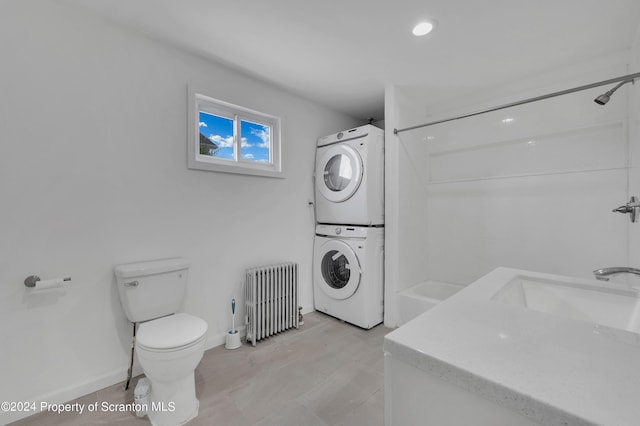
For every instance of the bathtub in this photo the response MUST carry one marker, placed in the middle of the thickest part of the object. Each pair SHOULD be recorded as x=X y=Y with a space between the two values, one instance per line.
x=422 y=297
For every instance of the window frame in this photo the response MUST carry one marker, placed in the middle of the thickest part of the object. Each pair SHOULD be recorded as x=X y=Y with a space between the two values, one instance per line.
x=198 y=102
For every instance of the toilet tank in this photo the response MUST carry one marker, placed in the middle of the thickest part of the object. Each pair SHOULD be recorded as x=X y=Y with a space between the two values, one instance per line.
x=152 y=289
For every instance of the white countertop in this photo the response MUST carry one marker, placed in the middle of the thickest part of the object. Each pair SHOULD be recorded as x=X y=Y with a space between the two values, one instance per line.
x=553 y=370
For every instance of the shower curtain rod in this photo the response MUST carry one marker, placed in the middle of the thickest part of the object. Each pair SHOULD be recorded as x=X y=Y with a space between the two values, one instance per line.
x=629 y=77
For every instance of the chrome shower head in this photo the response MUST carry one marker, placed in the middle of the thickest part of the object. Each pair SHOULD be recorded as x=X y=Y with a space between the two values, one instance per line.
x=605 y=97
x=602 y=99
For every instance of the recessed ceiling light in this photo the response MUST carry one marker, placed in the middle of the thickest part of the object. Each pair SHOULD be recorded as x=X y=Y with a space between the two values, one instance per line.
x=423 y=28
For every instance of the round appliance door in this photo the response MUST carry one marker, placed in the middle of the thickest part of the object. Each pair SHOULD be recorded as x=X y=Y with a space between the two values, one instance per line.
x=340 y=270
x=340 y=168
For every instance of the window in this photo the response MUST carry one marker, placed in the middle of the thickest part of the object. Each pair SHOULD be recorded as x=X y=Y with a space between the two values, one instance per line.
x=228 y=138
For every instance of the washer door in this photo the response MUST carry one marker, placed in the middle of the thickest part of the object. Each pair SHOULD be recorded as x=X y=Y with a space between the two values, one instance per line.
x=340 y=168
x=340 y=270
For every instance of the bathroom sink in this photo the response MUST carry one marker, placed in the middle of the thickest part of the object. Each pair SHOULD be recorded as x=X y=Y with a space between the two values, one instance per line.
x=577 y=299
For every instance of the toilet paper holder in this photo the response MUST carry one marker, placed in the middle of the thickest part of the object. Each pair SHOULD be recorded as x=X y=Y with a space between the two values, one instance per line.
x=31 y=280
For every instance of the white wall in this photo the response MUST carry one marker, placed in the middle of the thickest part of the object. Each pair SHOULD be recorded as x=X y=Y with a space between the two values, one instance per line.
x=536 y=193
x=634 y=140
x=93 y=172
x=405 y=230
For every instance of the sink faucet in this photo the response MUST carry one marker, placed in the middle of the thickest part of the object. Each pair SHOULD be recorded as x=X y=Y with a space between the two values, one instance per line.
x=604 y=273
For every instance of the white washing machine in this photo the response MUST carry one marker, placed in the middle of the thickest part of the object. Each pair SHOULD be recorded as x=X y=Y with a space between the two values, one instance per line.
x=349 y=177
x=348 y=268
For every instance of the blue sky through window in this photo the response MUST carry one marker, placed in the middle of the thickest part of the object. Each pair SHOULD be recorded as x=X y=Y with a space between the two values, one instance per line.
x=255 y=138
x=255 y=141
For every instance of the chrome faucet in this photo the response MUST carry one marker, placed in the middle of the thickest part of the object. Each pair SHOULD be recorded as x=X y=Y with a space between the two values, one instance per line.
x=604 y=273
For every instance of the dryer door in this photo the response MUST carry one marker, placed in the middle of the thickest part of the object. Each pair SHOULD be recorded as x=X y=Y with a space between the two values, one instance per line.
x=339 y=172
x=340 y=269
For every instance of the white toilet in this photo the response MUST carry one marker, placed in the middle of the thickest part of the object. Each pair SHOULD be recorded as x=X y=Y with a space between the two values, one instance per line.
x=169 y=345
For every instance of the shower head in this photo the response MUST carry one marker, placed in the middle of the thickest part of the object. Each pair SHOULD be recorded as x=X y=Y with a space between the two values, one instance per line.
x=604 y=98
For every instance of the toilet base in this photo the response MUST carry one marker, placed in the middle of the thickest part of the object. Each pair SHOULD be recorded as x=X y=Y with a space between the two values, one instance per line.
x=173 y=403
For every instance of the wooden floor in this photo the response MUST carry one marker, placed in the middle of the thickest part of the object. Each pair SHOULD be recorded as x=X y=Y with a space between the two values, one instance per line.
x=326 y=373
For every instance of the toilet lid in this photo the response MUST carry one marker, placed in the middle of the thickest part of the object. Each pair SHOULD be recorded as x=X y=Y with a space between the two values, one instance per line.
x=171 y=332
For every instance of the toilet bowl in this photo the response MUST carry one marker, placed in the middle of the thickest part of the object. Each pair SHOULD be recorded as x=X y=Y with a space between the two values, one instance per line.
x=169 y=349
x=169 y=345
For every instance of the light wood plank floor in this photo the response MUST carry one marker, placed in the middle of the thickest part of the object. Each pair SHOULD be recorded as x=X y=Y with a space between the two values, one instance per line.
x=326 y=373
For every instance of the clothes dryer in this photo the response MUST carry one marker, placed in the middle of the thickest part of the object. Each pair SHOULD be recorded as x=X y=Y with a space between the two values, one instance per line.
x=348 y=265
x=349 y=177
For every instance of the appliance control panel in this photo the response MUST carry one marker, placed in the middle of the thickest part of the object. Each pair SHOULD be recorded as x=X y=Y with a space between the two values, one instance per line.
x=342 y=231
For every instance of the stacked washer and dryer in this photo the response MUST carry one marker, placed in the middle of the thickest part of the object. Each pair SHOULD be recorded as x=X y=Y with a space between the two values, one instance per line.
x=348 y=256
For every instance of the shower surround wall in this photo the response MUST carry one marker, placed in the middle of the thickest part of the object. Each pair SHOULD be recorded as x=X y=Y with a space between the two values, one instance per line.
x=634 y=150
x=530 y=187
x=93 y=173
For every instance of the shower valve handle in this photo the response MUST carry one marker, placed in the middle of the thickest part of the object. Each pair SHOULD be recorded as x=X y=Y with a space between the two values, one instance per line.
x=632 y=208
x=623 y=209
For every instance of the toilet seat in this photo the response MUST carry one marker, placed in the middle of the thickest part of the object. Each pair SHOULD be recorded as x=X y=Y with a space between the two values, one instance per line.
x=174 y=332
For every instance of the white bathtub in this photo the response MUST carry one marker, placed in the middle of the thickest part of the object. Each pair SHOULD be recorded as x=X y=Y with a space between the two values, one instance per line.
x=422 y=297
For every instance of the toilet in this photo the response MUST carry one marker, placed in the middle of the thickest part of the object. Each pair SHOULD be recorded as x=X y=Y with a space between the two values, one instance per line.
x=169 y=345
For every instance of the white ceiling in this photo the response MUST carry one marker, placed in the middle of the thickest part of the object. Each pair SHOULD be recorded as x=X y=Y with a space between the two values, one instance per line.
x=342 y=53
